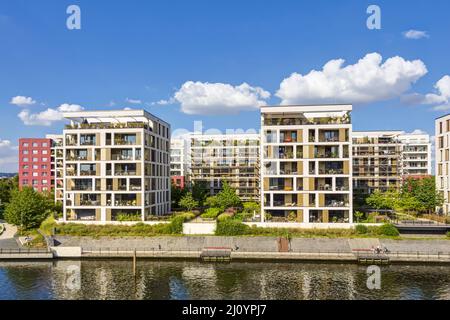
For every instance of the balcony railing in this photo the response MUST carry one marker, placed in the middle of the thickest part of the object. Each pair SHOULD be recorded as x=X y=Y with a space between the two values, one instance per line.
x=89 y=202
x=331 y=171
x=88 y=173
x=120 y=142
x=121 y=157
x=125 y=173
x=131 y=125
x=125 y=203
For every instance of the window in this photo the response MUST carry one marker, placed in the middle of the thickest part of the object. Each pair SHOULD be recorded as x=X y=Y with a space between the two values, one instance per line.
x=44 y=181
x=35 y=159
x=25 y=152
x=25 y=159
x=35 y=151
x=45 y=189
x=25 y=174
x=25 y=182
x=35 y=144
x=44 y=166
x=25 y=166
x=35 y=166
x=35 y=174
x=35 y=182
x=25 y=144
x=45 y=144
x=44 y=159
x=44 y=152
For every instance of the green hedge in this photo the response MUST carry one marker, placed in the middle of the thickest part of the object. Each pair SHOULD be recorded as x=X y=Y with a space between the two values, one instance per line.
x=223 y=217
x=361 y=229
x=211 y=213
x=232 y=228
x=388 y=230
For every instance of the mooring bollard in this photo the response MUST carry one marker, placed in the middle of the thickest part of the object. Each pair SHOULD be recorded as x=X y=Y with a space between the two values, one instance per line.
x=134 y=262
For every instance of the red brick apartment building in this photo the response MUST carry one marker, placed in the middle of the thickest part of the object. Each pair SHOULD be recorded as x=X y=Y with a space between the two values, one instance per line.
x=35 y=164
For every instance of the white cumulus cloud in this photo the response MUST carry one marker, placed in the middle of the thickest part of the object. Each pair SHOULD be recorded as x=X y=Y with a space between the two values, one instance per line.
x=219 y=98
x=440 y=99
x=8 y=156
x=133 y=101
x=368 y=80
x=47 y=117
x=22 y=101
x=415 y=34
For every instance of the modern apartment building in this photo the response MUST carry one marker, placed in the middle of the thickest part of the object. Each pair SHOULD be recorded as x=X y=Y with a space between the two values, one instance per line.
x=116 y=166
x=383 y=159
x=233 y=158
x=416 y=160
x=306 y=167
x=179 y=148
x=35 y=166
x=57 y=165
x=442 y=162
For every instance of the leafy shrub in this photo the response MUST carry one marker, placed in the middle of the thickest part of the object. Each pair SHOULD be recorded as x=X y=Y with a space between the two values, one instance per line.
x=232 y=228
x=292 y=216
x=128 y=217
x=448 y=234
x=267 y=216
x=211 y=213
x=388 y=230
x=223 y=217
x=176 y=224
x=251 y=207
x=361 y=229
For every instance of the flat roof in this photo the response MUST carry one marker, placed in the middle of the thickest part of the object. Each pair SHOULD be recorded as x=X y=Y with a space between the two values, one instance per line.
x=378 y=133
x=307 y=108
x=112 y=116
x=445 y=115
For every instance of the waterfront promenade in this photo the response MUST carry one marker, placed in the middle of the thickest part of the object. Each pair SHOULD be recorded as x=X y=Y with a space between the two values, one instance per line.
x=247 y=248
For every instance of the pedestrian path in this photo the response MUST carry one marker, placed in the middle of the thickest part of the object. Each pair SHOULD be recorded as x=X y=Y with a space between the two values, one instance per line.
x=7 y=240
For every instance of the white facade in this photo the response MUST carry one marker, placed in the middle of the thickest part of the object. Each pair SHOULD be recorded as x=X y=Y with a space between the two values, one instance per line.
x=179 y=153
x=416 y=154
x=306 y=167
x=442 y=162
x=116 y=166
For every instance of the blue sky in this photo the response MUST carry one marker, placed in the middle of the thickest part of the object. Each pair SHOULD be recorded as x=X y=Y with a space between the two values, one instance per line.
x=188 y=55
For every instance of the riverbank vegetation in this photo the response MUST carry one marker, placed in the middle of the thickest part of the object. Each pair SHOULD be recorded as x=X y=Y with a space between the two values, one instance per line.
x=417 y=197
x=233 y=227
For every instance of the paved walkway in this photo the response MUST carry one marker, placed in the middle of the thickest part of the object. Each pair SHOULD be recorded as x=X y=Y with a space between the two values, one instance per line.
x=7 y=239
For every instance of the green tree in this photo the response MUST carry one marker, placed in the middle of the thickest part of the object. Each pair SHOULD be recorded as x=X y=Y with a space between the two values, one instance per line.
x=383 y=200
x=200 y=191
x=227 y=197
x=424 y=190
x=7 y=186
x=27 y=208
x=188 y=202
x=177 y=193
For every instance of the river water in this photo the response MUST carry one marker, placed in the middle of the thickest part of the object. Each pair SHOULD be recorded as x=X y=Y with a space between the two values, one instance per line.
x=114 y=279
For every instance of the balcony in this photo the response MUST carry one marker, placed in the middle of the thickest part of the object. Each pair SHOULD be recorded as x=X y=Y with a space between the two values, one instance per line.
x=88 y=173
x=131 y=125
x=126 y=173
x=331 y=171
x=89 y=203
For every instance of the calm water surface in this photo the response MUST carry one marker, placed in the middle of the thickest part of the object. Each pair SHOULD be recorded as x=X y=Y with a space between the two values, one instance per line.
x=238 y=280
